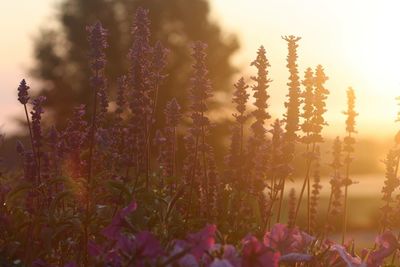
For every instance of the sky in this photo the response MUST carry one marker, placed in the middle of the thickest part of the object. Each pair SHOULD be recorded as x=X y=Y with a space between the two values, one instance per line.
x=356 y=41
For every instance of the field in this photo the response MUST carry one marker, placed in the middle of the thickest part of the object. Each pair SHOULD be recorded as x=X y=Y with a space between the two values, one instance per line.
x=134 y=179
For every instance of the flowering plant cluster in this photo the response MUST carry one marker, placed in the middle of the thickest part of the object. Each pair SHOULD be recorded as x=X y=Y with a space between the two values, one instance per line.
x=111 y=189
x=281 y=246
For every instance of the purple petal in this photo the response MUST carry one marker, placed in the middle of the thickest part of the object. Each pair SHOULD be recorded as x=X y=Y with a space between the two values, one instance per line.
x=148 y=245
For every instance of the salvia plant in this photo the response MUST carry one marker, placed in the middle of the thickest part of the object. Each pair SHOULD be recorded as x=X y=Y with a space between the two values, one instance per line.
x=112 y=189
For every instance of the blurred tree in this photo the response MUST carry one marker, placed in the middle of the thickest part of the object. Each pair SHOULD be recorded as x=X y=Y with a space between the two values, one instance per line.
x=61 y=53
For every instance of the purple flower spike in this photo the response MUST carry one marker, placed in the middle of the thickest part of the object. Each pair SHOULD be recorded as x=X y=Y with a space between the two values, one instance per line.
x=23 y=96
x=98 y=42
x=36 y=119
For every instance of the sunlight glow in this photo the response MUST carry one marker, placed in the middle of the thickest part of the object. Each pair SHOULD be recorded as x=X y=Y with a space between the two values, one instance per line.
x=356 y=41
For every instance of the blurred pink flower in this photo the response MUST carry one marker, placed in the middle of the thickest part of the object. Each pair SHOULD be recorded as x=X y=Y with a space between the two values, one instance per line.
x=113 y=231
x=231 y=255
x=147 y=245
x=387 y=243
x=220 y=263
x=287 y=240
x=256 y=254
x=202 y=241
x=346 y=258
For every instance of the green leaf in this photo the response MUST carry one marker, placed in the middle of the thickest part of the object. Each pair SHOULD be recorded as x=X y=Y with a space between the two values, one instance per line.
x=20 y=189
x=119 y=187
x=256 y=210
x=59 y=197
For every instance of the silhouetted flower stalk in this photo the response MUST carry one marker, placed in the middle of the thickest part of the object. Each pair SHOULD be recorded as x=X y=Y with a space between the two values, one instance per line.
x=167 y=157
x=315 y=193
x=74 y=138
x=23 y=98
x=158 y=64
x=349 y=142
x=120 y=143
x=307 y=128
x=314 y=108
x=397 y=140
x=196 y=144
x=234 y=167
x=156 y=77
x=261 y=96
x=103 y=106
x=320 y=96
x=292 y=208
x=291 y=116
x=240 y=100
x=121 y=96
x=258 y=144
x=390 y=184
x=37 y=111
x=140 y=96
x=98 y=43
x=276 y=163
x=396 y=169
x=336 y=182
x=214 y=186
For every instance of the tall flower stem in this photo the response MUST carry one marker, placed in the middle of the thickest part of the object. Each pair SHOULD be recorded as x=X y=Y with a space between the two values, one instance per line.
x=89 y=176
x=336 y=183
x=345 y=198
x=306 y=183
x=192 y=179
x=98 y=43
x=282 y=190
x=314 y=107
x=383 y=228
x=197 y=146
x=30 y=134
x=349 y=148
x=23 y=98
x=204 y=159
x=292 y=115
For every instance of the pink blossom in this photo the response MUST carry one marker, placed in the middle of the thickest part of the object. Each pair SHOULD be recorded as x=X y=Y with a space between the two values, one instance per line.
x=231 y=255
x=296 y=257
x=113 y=231
x=220 y=263
x=94 y=249
x=287 y=240
x=188 y=260
x=202 y=241
x=147 y=245
x=346 y=258
x=256 y=254
x=387 y=244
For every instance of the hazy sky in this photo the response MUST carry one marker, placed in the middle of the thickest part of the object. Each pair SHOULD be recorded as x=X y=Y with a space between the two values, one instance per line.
x=358 y=43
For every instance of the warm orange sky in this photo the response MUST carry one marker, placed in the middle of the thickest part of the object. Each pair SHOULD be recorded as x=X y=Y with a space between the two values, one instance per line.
x=356 y=41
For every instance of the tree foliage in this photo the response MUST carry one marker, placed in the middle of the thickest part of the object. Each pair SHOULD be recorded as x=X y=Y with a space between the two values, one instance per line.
x=61 y=53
